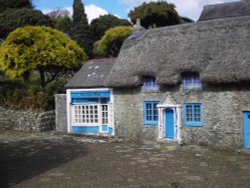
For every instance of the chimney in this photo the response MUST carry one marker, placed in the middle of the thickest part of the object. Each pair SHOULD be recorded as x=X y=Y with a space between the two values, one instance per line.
x=138 y=26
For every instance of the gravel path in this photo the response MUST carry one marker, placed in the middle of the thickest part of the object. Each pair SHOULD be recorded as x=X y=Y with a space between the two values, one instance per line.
x=47 y=160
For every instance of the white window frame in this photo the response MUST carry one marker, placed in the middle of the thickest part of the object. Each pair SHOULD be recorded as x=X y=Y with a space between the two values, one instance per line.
x=87 y=118
x=70 y=111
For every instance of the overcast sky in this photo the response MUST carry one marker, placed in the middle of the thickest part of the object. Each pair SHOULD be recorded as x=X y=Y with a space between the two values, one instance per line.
x=121 y=8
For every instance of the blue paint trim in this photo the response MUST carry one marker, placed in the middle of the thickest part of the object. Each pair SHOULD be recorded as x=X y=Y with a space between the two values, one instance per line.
x=84 y=100
x=193 y=122
x=169 y=123
x=111 y=130
x=105 y=100
x=149 y=119
x=85 y=129
x=90 y=94
x=246 y=120
x=104 y=128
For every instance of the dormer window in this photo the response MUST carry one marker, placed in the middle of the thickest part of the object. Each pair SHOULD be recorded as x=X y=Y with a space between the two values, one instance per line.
x=191 y=81
x=150 y=84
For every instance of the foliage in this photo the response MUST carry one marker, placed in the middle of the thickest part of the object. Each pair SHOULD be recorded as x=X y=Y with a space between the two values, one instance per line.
x=58 y=13
x=111 y=42
x=81 y=31
x=63 y=24
x=16 y=94
x=186 y=20
x=55 y=87
x=42 y=49
x=100 y=25
x=14 y=18
x=10 y=4
x=155 y=14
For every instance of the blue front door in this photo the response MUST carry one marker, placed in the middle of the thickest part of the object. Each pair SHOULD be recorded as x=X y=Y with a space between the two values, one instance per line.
x=169 y=123
x=246 y=116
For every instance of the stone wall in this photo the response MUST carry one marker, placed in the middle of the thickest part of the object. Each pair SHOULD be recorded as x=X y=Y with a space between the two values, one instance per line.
x=29 y=121
x=222 y=112
x=61 y=113
x=128 y=114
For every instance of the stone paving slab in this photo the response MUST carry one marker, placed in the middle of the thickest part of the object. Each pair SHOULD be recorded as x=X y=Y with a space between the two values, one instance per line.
x=49 y=160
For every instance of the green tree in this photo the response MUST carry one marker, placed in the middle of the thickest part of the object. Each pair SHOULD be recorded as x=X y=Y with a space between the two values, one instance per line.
x=10 y=4
x=186 y=20
x=81 y=31
x=14 y=18
x=38 y=48
x=155 y=14
x=63 y=24
x=100 y=25
x=110 y=44
x=61 y=20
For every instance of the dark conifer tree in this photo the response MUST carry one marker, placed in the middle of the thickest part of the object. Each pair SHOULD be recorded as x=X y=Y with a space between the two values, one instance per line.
x=81 y=30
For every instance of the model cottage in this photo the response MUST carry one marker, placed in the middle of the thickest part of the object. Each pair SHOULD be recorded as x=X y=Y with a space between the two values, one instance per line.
x=185 y=83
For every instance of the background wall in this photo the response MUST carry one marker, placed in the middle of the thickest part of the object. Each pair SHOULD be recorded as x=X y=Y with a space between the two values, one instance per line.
x=29 y=121
x=61 y=113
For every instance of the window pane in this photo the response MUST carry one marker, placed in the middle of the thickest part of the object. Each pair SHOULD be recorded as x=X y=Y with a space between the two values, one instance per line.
x=191 y=80
x=193 y=113
x=151 y=113
x=149 y=83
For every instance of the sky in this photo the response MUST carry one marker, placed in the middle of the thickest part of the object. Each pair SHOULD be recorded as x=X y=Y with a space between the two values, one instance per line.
x=121 y=8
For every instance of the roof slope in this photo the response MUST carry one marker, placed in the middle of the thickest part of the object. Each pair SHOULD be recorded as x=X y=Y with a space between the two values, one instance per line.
x=225 y=10
x=92 y=74
x=219 y=50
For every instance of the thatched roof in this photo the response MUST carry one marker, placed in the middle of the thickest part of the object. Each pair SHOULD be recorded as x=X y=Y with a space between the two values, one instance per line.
x=225 y=10
x=92 y=74
x=219 y=50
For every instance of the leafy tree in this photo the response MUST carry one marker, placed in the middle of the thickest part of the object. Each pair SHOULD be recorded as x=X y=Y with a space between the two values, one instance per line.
x=14 y=18
x=110 y=44
x=61 y=19
x=63 y=24
x=81 y=31
x=10 y=4
x=155 y=14
x=103 y=23
x=38 y=48
x=186 y=20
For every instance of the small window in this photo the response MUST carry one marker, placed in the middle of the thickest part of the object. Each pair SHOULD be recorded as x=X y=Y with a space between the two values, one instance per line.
x=191 y=81
x=193 y=114
x=150 y=113
x=150 y=84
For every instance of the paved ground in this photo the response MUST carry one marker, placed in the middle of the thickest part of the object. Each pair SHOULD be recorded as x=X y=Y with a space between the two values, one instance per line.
x=47 y=160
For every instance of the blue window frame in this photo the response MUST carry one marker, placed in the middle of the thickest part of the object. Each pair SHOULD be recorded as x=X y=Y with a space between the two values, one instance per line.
x=149 y=83
x=150 y=113
x=191 y=81
x=193 y=114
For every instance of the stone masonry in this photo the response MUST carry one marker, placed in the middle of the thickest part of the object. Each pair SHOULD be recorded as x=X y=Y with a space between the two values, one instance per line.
x=222 y=113
x=28 y=121
x=61 y=113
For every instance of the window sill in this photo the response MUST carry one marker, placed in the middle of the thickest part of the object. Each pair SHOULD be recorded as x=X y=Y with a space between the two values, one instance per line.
x=193 y=124
x=150 y=123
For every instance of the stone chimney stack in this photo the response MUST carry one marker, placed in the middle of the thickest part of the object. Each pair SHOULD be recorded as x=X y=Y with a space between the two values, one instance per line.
x=138 y=26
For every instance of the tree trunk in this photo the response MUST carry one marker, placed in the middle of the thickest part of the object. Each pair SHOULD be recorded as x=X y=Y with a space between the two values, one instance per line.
x=42 y=80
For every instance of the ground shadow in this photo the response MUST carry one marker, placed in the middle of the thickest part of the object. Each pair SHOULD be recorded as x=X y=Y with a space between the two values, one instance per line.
x=21 y=160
